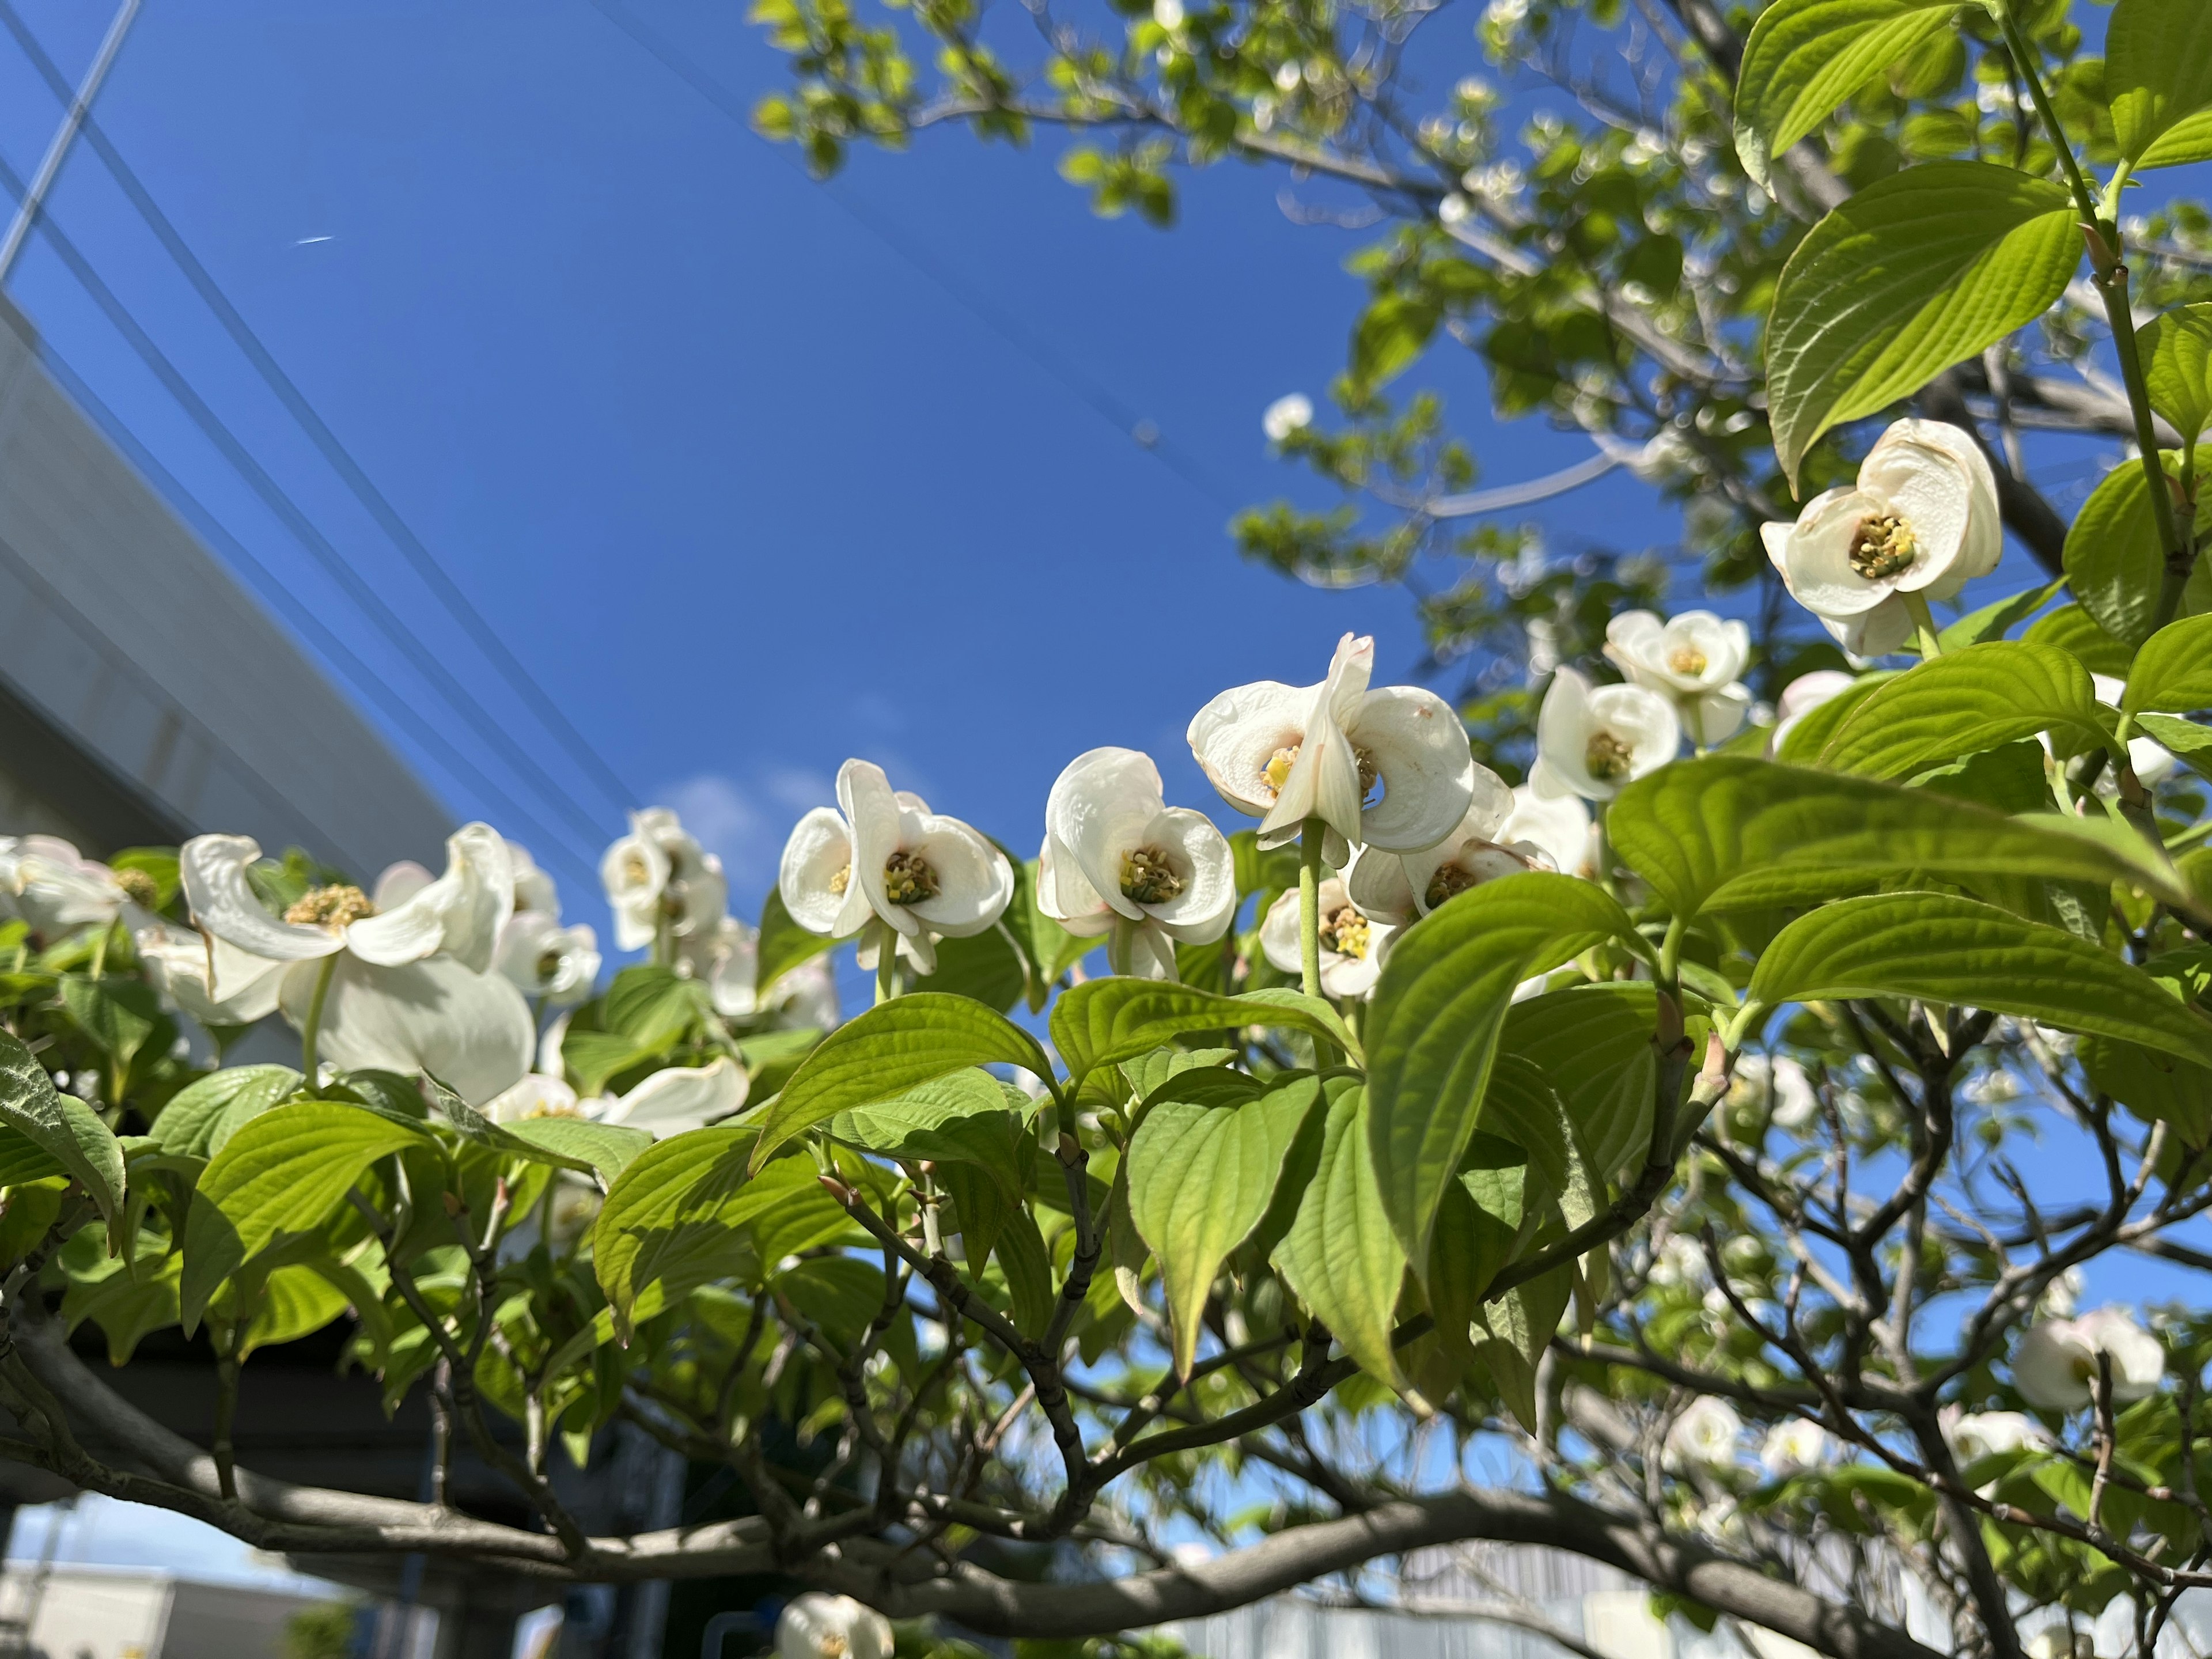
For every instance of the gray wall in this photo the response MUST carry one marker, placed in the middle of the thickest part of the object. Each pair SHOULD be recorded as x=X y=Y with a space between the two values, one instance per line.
x=144 y=693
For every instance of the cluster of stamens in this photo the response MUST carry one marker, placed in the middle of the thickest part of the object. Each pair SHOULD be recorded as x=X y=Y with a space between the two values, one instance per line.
x=548 y=965
x=908 y=878
x=329 y=907
x=1449 y=881
x=1346 y=933
x=842 y=880
x=1608 y=756
x=1370 y=774
x=1687 y=659
x=1276 y=771
x=1147 y=877
x=138 y=887
x=1884 y=548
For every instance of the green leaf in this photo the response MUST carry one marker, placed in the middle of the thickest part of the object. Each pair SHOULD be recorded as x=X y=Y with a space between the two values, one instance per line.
x=674 y=1215
x=1958 y=951
x=128 y=1301
x=1433 y=1028
x=201 y=1117
x=961 y=1118
x=2190 y=741
x=1994 y=620
x=62 y=1126
x=1727 y=833
x=1806 y=739
x=1390 y=335
x=606 y=1149
x=591 y=1058
x=652 y=1006
x=1048 y=948
x=295 y=1301
x=2158 y=68
x=783 y=945
x=1103 y=1021
x=2187 y=140
x=1806 y=57
x=1200 y=1178
x=2077 y=633
x=117 y=1014
x=1342 y=1258
x=1593 y=1045
x=2173 y=671
x=1915 y=272
x=475 y=1127
x=1966 y=702
x=281 y=1174
x=2155 y=1087
x=986 y=966
x=909 y=1040
x=2177 y=358
x=2113 y=560
x=1028 y=1268
x=23 y=1160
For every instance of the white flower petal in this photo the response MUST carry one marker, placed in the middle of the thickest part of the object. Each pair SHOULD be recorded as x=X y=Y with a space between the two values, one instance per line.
x=1379 y=888
x=974 y=882
x=1422 y=765
x=1931 y=492
x=1099 y=809
x=1875 y=632
x=399 y=883
x=1141 y=950
x=1324 y=780
x=633 y=871
x=873 y=815
x=1817 y=558
x=2052 y=1365
x=460 y=913
x=1984 y=544
x=175 y=962
x=818 y=848
x=471 y=1031
x=223 y=904
x=1559 y=826
x=537 y=1095
x=1717 y=716
x=682 y=1098
x=1235 y=737
x=1200 y=854
x=1066 y=894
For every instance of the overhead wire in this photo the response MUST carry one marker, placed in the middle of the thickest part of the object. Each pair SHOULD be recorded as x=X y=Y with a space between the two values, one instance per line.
x=1095 y=397
x=289 y=512
x=433 y=574
x=379 y=614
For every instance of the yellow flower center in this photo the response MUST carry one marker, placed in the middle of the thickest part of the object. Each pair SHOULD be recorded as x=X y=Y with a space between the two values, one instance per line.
x=1608 y=756
x=1148 y=878
x=1278 y=768
x=636 y=870
x=329 y=907
x=842 y=880
x=138 y=887
x=1884 y=546
x=1347 y=933
x=1687 y=659
x=908 y=878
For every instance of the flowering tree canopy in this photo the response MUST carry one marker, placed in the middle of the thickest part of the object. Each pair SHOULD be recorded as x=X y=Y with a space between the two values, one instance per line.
x=1714 y=1130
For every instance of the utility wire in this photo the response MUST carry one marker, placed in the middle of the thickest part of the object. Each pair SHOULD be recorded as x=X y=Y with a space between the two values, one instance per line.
x=317 y=632
x=1101 y=402
x=425 y=564
x=290 y=514
x=517 y=759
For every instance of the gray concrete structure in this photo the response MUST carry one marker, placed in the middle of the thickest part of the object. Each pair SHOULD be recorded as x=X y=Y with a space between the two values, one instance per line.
x=143 y=695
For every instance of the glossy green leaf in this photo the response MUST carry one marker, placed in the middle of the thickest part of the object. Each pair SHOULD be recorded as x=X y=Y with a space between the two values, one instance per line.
x=1048 y=948
x=1028 y=1268
x=2187 y=140
x=2193 y=743
x=1958 y=951
x=281 y=1174
x=1805 y=740
x=2078 y=634
x=1805 y=57
x=201 y=1117
x=1200 y=1178
x=884 y=1052
x=1724 y=832
x=2173 y=671
x=1917 y=271
x=652 y=1005
x=1341 y=1257
x=2158 y=68
x=2159 y=1088
x=2113 y=560
x=62 y=1126
x=606 y=1149
x=1434 y=1027
x=2176 y=350
x=783 y=945
x=1966 y=701
x=1593 y=1045
x=117 y=1014
x=1103 y=1021
x=1999 y=617
x=475 y=1127
x=961 y=1118
x=294 y=1300
x=989 y=967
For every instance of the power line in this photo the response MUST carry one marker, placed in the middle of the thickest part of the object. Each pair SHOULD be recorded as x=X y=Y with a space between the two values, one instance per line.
x=296 y=612
x=289 y=512
x=1101 y=401
x=372 y=605
x=425 y=564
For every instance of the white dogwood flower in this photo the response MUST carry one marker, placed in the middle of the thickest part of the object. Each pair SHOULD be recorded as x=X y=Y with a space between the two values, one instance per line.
x=533 y=889
x=1593 y=741
x=1976 y=1435
x=2056 y=1362
x=53 y=888
x=659 y=875
x=409 y=989
x=884 y=860
x=1287 y=415
x=1389 y=768
x=1400 y=888
x=537 y=1094
x=1793 y=1446
x=818 y=1626
x=175 y=962
x=1117 y=859
x=1694 y=659
x=1802 y=696
x=1705 y=1436
x=545 y=960
x=1352 y=945
x=677 y=1098
x=1922 y=520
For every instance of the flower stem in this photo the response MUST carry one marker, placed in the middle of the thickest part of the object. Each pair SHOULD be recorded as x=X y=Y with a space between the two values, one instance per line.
x=310 y=1032
x=1925 y=637
x=1309 y=840
x=2110 y=276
